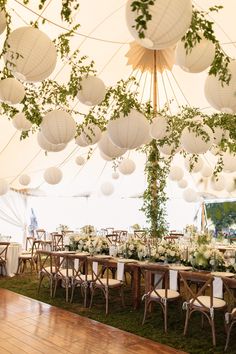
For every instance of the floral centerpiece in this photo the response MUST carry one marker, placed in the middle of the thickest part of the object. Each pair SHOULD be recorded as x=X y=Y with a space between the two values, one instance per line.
x=87 y=230
x=91 y=244
x=165 y=251
x=62 y=228
x=206 y=257
x=133 y=248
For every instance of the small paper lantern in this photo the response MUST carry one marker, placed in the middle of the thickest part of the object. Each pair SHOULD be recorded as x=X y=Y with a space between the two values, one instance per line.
x=218 y=184
x=129 y=132
x=115 y=175
x=11 y=91
x=108 y=148
x=197 y=165
x=93 y=91
x=45 y=145
x=169 y=149
x=182 y=183
x=53 y=175
x=107 y=188
x=206 y=171
x=91 y=134
x=229 y=161
x=198 y=59
x=80 y=141
x=176 y=173
x=4 y=187
x=158 y=128
x=170 y=20
x=195 y=143
x=3 y=21
x=190 y=195
x=219 y=134
x=21 y=123
x=31 y=55
x=24 y=180
x=58 y=127
x=126 y=166
x=230 y=186
x=221 y=97
x=80 y=160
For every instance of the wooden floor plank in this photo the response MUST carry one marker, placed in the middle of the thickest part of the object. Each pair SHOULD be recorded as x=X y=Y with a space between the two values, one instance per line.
x=30 y=326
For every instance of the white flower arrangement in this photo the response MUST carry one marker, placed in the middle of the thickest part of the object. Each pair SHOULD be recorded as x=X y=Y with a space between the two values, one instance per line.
x=206 y=257
x=91 y=244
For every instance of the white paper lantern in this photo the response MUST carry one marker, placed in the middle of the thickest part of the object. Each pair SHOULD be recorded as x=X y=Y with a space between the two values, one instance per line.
x=3 y=21
x=31 y=55
x=21 y=123
x=11 y=91
x=93 y=91
x=207 y=171
x=219 y=134
x=91 y=134
x=182 y=183
x=128 y=132
x=230 y=186
x=229 y=161
x=169 y=149
x=176 y=173
x=105 y=157
x=45 y=145
x=4 y=186
x=126 y=167
x=115 y=175
x=107 y=188
x=190 y=195
x=106 y=146
x=197 y=165
x=53 y=175
x=80 y=160
x=195 y=143
x=221 y=97
x=80 y=141
x=158 y=128
x=24 y=180
x=218 y=184
x=58 y=127
x=170 y=20
x=198 y=59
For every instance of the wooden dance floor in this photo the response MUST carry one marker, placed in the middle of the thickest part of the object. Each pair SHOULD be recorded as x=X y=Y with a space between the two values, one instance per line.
x=30 y=326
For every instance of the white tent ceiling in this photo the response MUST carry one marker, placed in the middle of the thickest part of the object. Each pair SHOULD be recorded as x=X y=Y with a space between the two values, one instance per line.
x=104 y=37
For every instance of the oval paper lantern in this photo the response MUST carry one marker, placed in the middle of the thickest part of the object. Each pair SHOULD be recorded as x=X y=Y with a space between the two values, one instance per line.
x=158 y=128
x=58 y=127
x=24 y=180
x=91 y=134
x=195 y=143
x=221 y=97
x=80 y=141
x=4 y=186
x=170 y=20
x=198 y=59
x=229 y=161
x=3 y=21
x=31 y=55
x=126 y=166
x=197 y=165
x=230 y=186
x=107 y=188
x=182 y=183
x=190 y=195
x=207 y=171
x=53 y=175
x=80 y=160
x=169 y=149
x=219 y=134
x=115 y=175
x=105 y=157
x=108 y=148
x=176 y=173
x=21 y=123
x=218 y=184
x=11 y=91
x=45 y=145
x=93 y=91
x=129 y=132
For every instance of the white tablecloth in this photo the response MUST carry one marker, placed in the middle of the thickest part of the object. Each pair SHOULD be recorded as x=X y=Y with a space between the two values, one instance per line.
x=14 y=250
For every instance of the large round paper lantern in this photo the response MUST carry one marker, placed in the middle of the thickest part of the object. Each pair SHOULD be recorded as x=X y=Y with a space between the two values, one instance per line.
x=195 y=143
x=229 y=161
x=58 y=127
x=53 y=175
x=126 y=166
x=170 y=20
x=92 y=91
x=222 y=97
x=45 y=145
x=108 y=148
x=31 y=55
x=198 y=59
x=129 y=132
x=207 y=171
x=80 y=141
x=190 y=195
x=182 y=183
x=21 y=123
x=24 y=180
x=4 y=186
x=3 y=21
x=158 y=128
x=107 y=188
x=91 y=134
x=176 y=173
x=197 y=165
x=11 y=91
x=219 y=134
x=230 y=186
x=80 y=160
x=218 y=184
x=105 y=157
x=115 y=175
x=167 y=149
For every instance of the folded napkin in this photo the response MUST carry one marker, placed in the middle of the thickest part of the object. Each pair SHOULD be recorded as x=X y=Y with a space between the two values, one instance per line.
x=120 y=271
x=95 y=268
x=173 y=279
x=218 y=287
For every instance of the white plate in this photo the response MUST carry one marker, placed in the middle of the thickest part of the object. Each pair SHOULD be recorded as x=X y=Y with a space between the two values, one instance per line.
x=179 y=267
x=223 y=274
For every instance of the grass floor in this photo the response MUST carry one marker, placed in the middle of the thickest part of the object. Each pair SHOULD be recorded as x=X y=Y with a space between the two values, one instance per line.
x=197 y=341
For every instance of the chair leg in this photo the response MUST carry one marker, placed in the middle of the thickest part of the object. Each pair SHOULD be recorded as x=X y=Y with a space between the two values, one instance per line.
x=107 y=301
x=72 y=292
x=145 y=310
x=202 y=321
x=165 y=317
x=91 y=298
x=122 y=296
x=213 y=332
x=186 y=321
x=228 y=336
x=55 y=288
x=40 y=281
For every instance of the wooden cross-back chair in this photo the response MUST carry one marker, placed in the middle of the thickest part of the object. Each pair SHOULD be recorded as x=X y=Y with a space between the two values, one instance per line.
x=197 y=301
x=57 y=241
x=63 y=272
x=29 y=242
x=140 y=234
x=40 y=234
x=31 y=258
x=230 y=316
x=46 y=268
x=113 y=238
x=80 y=277
x=3 y=256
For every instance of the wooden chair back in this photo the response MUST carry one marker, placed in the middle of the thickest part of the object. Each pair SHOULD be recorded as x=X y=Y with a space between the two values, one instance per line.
x=40 y=234
x=140 y=234
x=113 y=238
x=230 y=288
x=3 y=251
x=57 y=241
x=156 y=277
x=45 y=262
x=79 y=266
